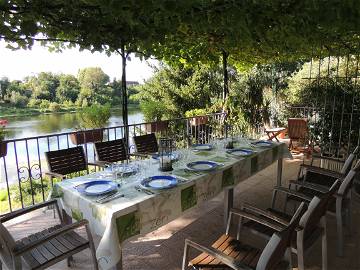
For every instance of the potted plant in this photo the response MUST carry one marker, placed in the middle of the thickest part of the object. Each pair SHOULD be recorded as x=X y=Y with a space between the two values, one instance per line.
x=198 y=117
x=92 y=121
x=3 y=144
x=153 y=112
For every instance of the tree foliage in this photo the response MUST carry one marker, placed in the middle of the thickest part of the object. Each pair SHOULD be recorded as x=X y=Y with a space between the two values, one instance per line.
x=187 y=31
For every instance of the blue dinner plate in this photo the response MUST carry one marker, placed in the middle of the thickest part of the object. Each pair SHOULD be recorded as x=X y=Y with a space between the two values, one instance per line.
x=202 y=166
x=202 y=147
x=174 y=156
x=240 y=152
x=160 y=182
x=262 y=143
x=97 y=187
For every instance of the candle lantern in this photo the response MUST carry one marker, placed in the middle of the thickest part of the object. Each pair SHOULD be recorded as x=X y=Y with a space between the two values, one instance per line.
x=230 y=143
x=166 y=147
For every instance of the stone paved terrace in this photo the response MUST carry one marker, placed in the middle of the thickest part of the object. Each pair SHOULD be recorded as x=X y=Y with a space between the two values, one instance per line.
x=163 y=248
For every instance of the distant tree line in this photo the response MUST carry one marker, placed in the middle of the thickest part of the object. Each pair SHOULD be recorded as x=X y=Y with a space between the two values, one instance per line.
x=49 y=91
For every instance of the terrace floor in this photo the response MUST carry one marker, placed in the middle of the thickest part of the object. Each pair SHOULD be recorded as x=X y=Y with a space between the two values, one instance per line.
x=163 y=248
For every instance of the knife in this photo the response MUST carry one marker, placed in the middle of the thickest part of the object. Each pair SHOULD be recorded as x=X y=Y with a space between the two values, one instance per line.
x=109 y=197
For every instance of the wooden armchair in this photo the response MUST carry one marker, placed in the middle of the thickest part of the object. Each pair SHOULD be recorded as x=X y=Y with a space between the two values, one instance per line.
x=66 y=161
x=298 y=131
x=312 y=224
x=146 y=144
x=43 y=249
x=339 y=207
x=229 y=253
x=323 y=176
x=110 y=152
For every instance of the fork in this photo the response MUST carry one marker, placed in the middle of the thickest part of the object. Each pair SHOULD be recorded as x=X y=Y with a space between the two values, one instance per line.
x=148 y=192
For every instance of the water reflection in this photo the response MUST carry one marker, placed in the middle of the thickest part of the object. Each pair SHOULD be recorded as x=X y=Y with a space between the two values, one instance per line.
x=36 y=125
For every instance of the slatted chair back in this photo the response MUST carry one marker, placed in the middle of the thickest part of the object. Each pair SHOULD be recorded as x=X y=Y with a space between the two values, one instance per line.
x=316 y=210
x=275 y=249
x=66 y=161
x=297 y=128
x=7 y=244
x=111 y=151
x=146 y=143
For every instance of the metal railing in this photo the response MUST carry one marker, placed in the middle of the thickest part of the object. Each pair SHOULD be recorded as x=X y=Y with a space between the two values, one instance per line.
x=335 y=132
x=22 y=180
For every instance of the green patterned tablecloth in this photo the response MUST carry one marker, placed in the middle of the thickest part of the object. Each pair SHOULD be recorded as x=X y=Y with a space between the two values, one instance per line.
x=138 y=213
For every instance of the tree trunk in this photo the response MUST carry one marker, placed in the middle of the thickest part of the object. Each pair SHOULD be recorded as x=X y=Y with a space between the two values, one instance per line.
x=124 y=96
x=225 y=56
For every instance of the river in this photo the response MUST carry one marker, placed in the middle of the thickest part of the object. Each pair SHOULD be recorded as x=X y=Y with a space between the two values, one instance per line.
x=42 y=124
x=18 y=160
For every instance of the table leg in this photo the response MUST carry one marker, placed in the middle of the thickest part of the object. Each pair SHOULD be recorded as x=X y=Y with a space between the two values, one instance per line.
x=279 y=171
x=228 y=203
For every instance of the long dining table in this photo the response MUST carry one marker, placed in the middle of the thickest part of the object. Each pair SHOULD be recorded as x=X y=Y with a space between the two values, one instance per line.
x=141 y=211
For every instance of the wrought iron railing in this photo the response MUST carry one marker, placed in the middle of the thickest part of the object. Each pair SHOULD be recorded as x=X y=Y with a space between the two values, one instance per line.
x=335 y=132
x=22 y=180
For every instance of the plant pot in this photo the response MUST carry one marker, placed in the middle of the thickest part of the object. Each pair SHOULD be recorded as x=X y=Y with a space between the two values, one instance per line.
x=156 y=126
x=3 y=149
x=87 y=136
x=197 y=121
x=282 y=135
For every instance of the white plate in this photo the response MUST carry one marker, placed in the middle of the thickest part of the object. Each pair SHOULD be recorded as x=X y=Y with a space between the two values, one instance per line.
x=100 y=188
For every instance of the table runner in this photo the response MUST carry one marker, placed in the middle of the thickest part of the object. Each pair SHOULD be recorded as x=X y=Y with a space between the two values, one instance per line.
x=139 y=213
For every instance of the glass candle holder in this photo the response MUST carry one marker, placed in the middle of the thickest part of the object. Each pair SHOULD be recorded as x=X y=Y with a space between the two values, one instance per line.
x=165 y=154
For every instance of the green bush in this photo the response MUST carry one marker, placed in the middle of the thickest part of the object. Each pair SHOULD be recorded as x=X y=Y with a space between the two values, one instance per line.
x=195 y=112
x=44 y=104
x=33 y=103
x=18 y=100
x=54 y=107
x=152 y=110
x=95 y=116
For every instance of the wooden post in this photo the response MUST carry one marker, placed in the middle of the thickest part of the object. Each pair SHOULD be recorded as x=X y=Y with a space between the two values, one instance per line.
x=124 y=97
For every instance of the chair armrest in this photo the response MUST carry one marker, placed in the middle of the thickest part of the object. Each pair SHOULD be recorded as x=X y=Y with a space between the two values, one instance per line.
x=135 y=154
x=57 y=175
x=20 y=212
x=308 y=185
x=322 y=171
x=293 y=193
x=328 y=158
x=101 y=164
x=256 y=210
x=224 y=258
x=24 y=248
x=258 y=219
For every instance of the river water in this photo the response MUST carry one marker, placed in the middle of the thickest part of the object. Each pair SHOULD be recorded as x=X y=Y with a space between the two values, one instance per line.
x=44 y=124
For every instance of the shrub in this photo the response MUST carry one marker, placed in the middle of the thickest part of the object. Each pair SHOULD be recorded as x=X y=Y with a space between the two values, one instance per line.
x=44 y=104
x=95 y=116
x=152 y=110
x=33 y=103
x=18 y=100
x=54 y=107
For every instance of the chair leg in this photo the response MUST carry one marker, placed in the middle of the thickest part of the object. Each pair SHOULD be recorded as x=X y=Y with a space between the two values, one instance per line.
x=339 y=228
x=288 y=257
x=185 y=257
x=300 y=250
x=92 y=247
x=324 y=244
x=1 y=265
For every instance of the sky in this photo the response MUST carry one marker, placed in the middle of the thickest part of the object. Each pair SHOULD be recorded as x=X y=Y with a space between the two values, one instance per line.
x=21 y=63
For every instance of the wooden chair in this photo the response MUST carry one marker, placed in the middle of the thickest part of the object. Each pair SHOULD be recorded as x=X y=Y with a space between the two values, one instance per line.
x=110 y=152
x=339 y=207
x=312 y=225
x=298 y=131
x=45 y=248
x=324 y=176
x=229 y=253
x=66 y=161
x=146 y=144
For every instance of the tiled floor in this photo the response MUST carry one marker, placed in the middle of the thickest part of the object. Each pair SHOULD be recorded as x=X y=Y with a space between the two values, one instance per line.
x=163 y=248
